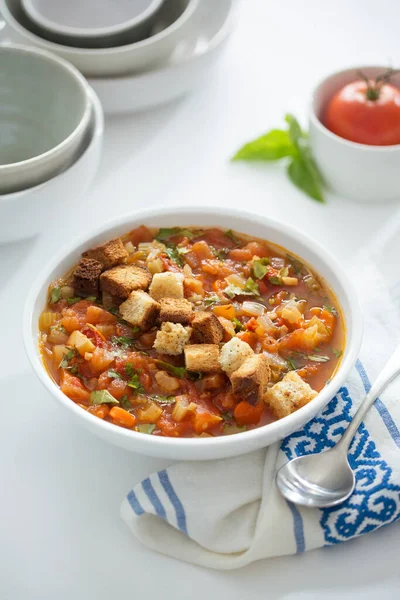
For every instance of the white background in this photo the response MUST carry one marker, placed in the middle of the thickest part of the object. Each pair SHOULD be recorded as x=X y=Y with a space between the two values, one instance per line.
x=60 y=532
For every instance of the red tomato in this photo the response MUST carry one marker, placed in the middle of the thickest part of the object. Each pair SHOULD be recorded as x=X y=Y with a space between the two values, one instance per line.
x=365 y=113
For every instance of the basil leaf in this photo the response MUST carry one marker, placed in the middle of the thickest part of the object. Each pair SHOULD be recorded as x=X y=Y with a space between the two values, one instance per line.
x=114 y=374
x=179 y=372
x=146 y=428
x=337 y=353
x=125 y=403
x=260 y=268
x=66 y=359
x=55 y=295
x=295 y=133
x=252 y=287
x=273 y=145
x=275 y=280
x=210 y=300
x=164 y=233
x=102 y=397
x=163 y=400
x=291 y=364
x=174 y=255
x=304 y=176
x=238 y=325
x=73 y=300
x=231 y=236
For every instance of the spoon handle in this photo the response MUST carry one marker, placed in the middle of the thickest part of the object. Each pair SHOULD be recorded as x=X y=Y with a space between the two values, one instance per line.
x=389 y=372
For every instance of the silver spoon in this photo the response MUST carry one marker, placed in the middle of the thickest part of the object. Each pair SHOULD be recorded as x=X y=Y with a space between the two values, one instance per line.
x=326 y=479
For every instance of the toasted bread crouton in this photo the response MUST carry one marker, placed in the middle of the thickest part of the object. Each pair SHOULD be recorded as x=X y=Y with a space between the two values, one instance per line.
x=288 y=395
x=252 y=376
x=206 y=328
x=120 y=281
x=110 y=254
x=202 y=358
x=233 y=355
x=166 y=285
x=172 y=338
x=140 y=310
x=86 y=277
x=176 y=310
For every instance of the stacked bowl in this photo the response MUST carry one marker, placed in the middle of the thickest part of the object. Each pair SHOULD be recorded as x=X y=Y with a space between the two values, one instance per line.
x=135 y=53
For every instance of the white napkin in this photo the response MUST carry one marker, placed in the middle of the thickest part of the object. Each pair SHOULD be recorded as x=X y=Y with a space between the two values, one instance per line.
x=225 y=514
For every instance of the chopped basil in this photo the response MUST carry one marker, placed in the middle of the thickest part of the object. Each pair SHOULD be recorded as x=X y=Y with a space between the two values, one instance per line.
x=238 y=325
x=331 y=309
x=231 y=236
x=74 y=300
x=125 y=403
x=210 y=300
x=91 y=298
x=133 y=381
x=113 y=311
x=114 y=374
x=275 y=280
x=251 y=289
x=146 y=428
x=296 y=264
x=102 y=397
x=318 y=358
x=163 y=400
x=55 y=295
x=221 y=254
x=260 y=268
x=66 y=359
x=164 y=233
x=174 y=255
x=179 y=372
x=291 y=364
x=125 y=341
x=337 y=353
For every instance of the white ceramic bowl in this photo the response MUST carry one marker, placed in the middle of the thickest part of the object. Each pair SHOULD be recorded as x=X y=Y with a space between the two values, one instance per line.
x=25 y=214
x=355 y=171
x=93 y=23
x=189 y=66
x=195 y=448
x=44 y=115
x=174 y=21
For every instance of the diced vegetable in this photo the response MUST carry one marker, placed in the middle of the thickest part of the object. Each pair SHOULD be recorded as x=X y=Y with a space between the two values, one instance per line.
x=121 y=417
x=48 y=319
x=150 y=414
x=102 y=397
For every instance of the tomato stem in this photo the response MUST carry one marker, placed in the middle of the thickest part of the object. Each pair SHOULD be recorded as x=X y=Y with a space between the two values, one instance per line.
x=374 y=86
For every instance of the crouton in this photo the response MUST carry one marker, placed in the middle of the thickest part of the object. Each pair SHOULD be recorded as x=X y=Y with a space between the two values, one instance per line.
x=86 y=277
x=233 y=355
x=176 y=310
x=172 y=338
x=202 y=358
x=110 y=254
x=166 y=285
x=288 y=395
x=251 y=376
x=140 y=310
x=206 y=328
x=120 y=281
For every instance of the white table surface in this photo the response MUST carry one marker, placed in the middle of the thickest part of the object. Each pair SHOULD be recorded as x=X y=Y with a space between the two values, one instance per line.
x=60 y=532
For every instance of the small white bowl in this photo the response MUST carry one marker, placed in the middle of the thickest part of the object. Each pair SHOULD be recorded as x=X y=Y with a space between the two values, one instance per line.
x=44 y=115
x=92 y=22
x=188 y=67
x=174 y=20
x=25 y=214
x=356 y=171
x=256 y=225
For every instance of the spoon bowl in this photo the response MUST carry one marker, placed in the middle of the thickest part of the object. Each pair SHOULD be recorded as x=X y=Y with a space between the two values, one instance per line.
x=320 y=480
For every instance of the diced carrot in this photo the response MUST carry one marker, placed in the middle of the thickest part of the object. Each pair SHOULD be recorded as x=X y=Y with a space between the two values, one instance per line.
x=203 y=250
x=240 y=254
x=219 y=285
x=101 y=360
x=256 y=249
x=210 y=266
x=295 y=341
x=193 y=286
x=122 y=417
x=249 y=337
x=73 y=322
x=326 y=317
x=73 y=387
x=117 y=388
x=95 y=315
x=193 y=260
x=203 y=421
x=247 y=414
x=99 y=410
x=225 y=310
x=140 y=234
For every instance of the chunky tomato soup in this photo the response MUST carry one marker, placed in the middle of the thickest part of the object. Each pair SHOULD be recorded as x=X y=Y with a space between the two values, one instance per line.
x=190 y=333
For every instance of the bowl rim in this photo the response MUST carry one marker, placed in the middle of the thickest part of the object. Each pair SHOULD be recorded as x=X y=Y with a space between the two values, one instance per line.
x=218 y=38
x=244 y=439
x=83 y=123
x=97 y=114
x=99 y=52
x=81 y=32
x=316 y=121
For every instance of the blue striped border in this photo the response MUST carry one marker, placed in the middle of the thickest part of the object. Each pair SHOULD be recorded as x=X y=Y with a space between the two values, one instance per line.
x=380 y=407
x=154 y=499
x=298 y=528
x=176 y=503
x=135 y=504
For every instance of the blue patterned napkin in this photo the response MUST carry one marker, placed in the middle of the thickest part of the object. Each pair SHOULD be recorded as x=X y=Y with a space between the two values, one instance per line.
x=225 y=514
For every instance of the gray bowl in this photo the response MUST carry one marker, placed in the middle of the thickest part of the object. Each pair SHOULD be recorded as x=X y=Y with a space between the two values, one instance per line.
x=44 y=114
